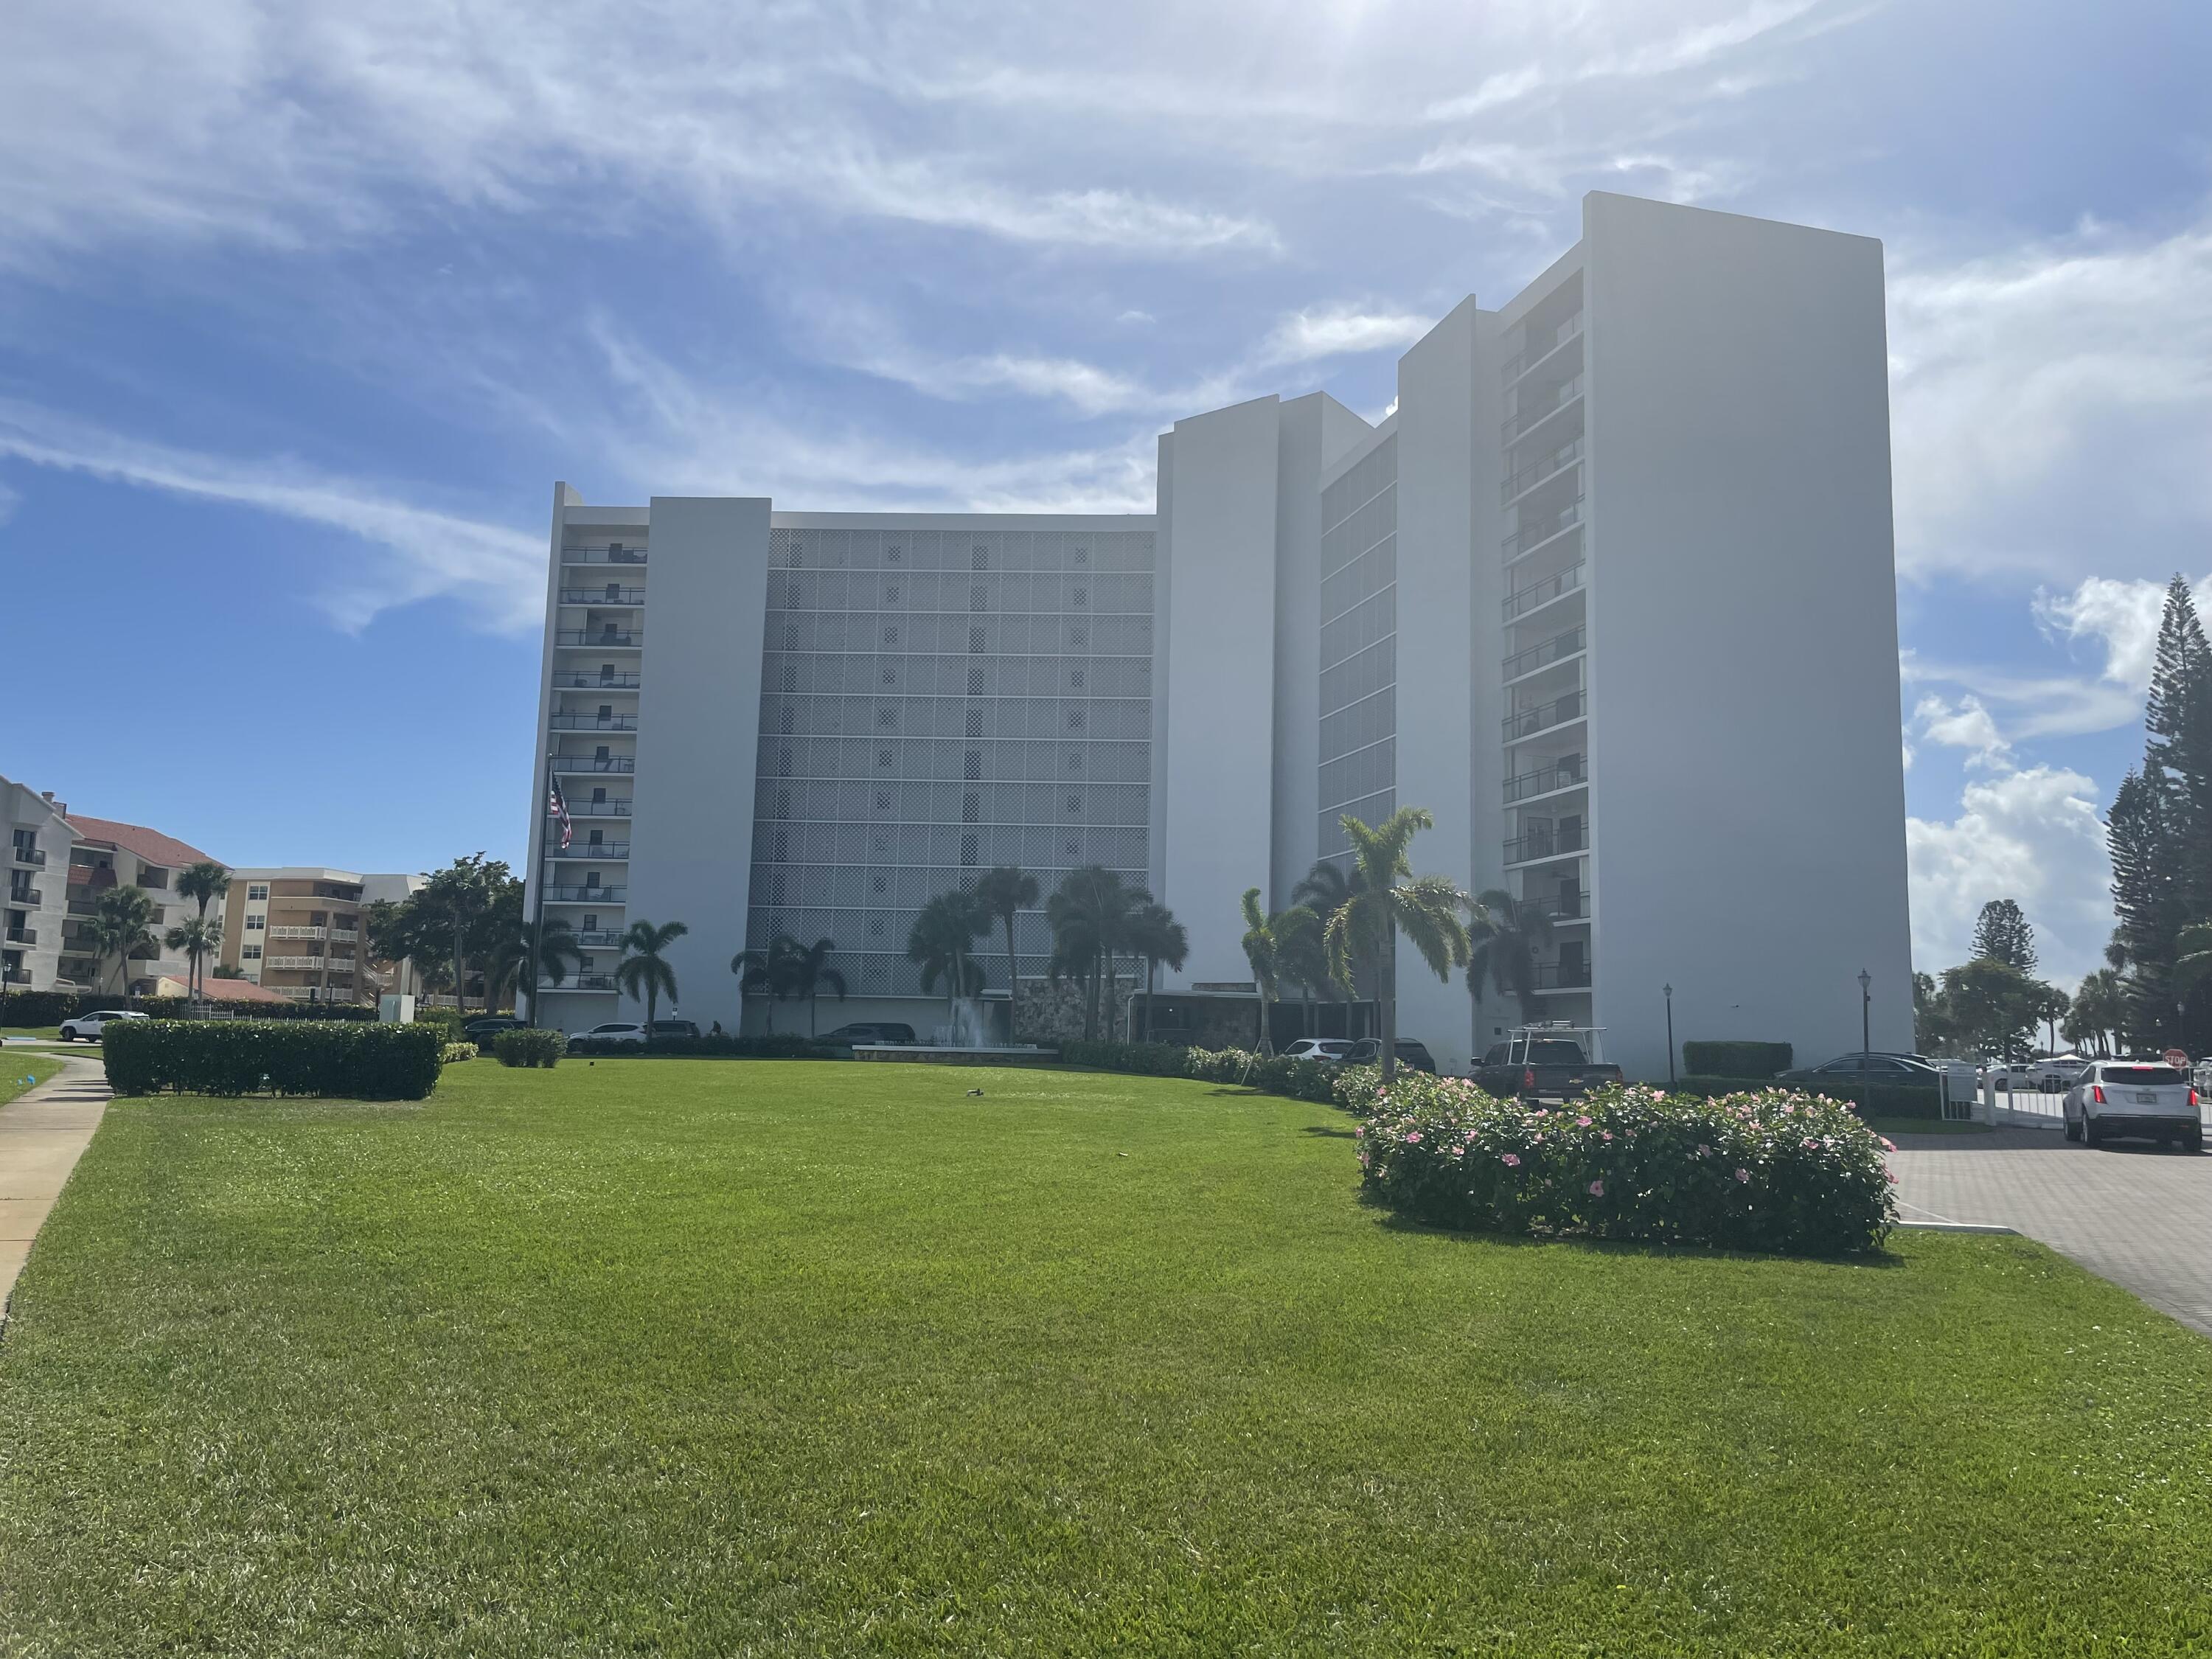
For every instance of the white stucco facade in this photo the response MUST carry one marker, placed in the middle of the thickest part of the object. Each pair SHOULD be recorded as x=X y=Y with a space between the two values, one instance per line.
x=1624 y=542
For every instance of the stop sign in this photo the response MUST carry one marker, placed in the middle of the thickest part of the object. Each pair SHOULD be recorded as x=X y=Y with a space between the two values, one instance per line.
x=2177 y=1059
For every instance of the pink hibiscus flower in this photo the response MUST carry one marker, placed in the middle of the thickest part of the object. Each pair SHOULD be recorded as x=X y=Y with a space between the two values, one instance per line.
x=1743 y=1175
x=1597 y=1189
x=1510 y=1160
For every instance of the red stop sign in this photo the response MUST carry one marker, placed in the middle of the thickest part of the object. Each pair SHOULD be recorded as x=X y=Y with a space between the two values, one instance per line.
x=2177 y=1059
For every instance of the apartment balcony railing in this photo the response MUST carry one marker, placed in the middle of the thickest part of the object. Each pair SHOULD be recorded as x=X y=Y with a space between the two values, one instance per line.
x=1560 y=975
x=33 y=856
x=297 y=964
x=1559 y=906
x=1522 y=601
x=1527 y=419
x=591 y=849
x=567 y=680
x=299 y=932
x=1535 y=535
x=599 y=939
x=22 y=936
x=16 y=976
x=1545 y=779
x=1549 y=841
x=612 y=593
x=1547 y=465
x=1545 y=654
x=594 y=763
x=1526 y=722
x=34 y=896
x=619 y=637
x=587 y=895
x=594 y=723
x=580 y=982
x=602 y=555
x=1539 y=347
x=596 y=809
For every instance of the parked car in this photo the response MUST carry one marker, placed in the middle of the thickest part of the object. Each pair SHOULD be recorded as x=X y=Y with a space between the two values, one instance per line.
x=615 y=1030
x=870 y=1031
x=673 y=1028
x=482 y=1030
x=1545 y=1062
x=87 y=1027
x=1896 y=1069
x=2049 y=1076
x=2143 y=1098
x=1368 y=1051
x=1331 y=1050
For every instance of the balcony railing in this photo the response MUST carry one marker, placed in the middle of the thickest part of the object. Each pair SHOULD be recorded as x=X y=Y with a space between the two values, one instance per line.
x=596 y=809
x=621 y=637
x=1544 y=466
x=1545 y=779
x=1533 y=535
x=299 y=932
x=602 y=555
x=1559 y=906
x=1515 y=425
x=610 y=594
x=594 y=723
x=1560 y=975
x=599 y=938
x=1543 y=655
x=35 y=857
x=22 y=936
x=16 y=976
x=594 y=763
x=1546 y=841
x=581 y=982
x=1539 y=346
x=587 y=895
x=1526 y=722
x=571 y=680
x=296 y=964
x=34 y=896
x=591 y=849
x=1521 y=602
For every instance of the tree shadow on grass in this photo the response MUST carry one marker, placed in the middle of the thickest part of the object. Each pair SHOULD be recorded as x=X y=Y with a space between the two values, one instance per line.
x=1391 y=1221
x=1330 y=1133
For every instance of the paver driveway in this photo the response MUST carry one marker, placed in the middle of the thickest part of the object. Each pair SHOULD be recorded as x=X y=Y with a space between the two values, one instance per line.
x=2141 y=1217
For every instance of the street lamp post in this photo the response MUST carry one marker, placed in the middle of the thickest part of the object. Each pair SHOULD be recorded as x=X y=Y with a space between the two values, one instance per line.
x=1668 y=991
x=1866 y=1013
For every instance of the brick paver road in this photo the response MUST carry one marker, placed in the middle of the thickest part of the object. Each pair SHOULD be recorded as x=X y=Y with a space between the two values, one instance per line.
x=2141 y=1217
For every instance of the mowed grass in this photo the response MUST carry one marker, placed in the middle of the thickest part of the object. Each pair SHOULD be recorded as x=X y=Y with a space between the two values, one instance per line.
x=727 y=1358
x=22 y=1070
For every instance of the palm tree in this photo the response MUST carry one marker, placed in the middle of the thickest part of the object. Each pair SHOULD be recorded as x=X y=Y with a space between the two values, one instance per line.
x=644 y=971
x=198 y=941
x=1261 y=951
x=1325 y=890
x=810 y=974
x=203 y=883
x=1089 y=916
x=1389 y=899
x=1000 y=893
x=1158 y=936
x=2099 y=1010
x=121 y=924
x=507 y=955
x=1302 y=956
x=1505 y=933
x=768 y=970
x=943 y=930
x=461 y=892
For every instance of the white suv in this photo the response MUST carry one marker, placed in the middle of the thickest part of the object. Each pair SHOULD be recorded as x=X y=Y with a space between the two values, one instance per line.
x=615 y=1030
x=1327 y=1048
x=2115 y=1097
x=87 y=1027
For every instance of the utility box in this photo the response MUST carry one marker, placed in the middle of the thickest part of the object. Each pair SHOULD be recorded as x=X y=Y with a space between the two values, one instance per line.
x=392 y=1009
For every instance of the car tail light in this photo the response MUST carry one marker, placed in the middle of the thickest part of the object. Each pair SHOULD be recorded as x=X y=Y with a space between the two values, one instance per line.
x=2096 y=1093
x=1528 y=1078
x=2193 y=1100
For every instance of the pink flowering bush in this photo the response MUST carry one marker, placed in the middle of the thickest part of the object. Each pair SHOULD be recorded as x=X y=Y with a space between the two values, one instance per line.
x=1771 y=1170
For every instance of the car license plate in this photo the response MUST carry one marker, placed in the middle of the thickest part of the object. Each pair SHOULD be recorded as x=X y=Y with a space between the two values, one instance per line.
x=2146 y=1096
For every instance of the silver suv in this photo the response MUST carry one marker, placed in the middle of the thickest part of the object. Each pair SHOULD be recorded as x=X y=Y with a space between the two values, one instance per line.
x=2116 y=1097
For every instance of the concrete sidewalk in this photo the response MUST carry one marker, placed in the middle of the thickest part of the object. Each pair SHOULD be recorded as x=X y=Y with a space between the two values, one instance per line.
x=42 y=1134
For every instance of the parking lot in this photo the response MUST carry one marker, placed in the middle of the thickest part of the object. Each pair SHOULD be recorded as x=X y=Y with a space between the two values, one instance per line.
x=2140 y=1217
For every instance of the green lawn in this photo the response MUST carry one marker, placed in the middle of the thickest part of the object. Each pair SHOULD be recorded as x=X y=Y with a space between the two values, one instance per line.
x=729 y=1357
x=17 y=1064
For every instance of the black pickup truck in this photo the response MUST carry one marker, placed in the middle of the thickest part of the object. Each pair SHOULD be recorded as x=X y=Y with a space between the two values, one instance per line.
x=1545 y=1062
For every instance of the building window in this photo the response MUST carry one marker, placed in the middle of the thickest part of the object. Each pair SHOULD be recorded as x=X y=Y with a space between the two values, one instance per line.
x=1079 y=636
x=881 y=883
x=890 y=636
x=979 y=597
x=1076 y=678
x=894 y=555
x=971 y=765
x=883 y=805
x=876 y=927
x=979 y=558
x=1082 y=556
x=975 y=640
x=783 y=722
x=975 y=682
x=1075 y=719
x=249 y=953
x=891 y=676
x=1082 y=596
x=883 y=758
x=891 y=592
x=887 y=718
x=968 y=850
x=255 y=924
x=795 y=558
x=791 y=677
x=975 y=722
x=1075 y=760
x=1075 y=802
x=256 y=891
x=971 y=807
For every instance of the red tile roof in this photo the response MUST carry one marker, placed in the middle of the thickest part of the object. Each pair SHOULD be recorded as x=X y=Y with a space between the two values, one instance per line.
x=224 y=990
x=150 y=845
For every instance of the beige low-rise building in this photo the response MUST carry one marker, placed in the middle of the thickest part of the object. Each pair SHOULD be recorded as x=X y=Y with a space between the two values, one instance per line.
x=302 y=932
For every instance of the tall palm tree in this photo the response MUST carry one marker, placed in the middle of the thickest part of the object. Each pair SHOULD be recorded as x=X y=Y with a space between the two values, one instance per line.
x=943 y=930
x=1089 y=917
x=1157 y=937
x=1389 y=899
x=507 y=955
x=644 y=971
x=122 y=923
x=1002 y=892
x=1325 y=890
x=768 y=971
x=1505 y=933
x=1302 y=956
x=203 y=883
x=810 y=973
x=198 y=939
x=1262 y=951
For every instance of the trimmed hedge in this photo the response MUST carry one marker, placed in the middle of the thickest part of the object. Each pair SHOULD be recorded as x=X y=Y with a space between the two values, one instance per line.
x=529 y=1046
x=52 y=1007
x=347 y=1059
x=1772 y=1170
x=1761 y=1059
x=1273 y=1074
x=780 y=1046
x=1874 y=1100
x=454 y=1052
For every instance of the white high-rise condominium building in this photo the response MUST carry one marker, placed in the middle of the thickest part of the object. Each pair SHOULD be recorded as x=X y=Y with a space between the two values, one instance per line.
x=1610 y=592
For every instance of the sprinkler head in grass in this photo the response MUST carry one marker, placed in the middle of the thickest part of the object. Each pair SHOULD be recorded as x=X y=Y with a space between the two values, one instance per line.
x=975 y=1094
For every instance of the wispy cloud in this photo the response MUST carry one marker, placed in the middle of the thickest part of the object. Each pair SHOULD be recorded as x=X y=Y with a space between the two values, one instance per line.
x=1337 y=330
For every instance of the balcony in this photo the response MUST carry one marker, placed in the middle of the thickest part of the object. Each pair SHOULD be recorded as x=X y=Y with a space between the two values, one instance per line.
x=1546 y=841
x=594 y=723
x=22 y=936
x=1522 y=601
x=1556 y=648
x=16 y=976
x=1566 y=774
x=593 y=763
x=619 y=638
x=1559 y=906
x=1526 y=722
x=1527 y=419
x=1561 y=976
x=1537 y=347
x=566 y=679
x=599 y=938
x=591 y=849
x=597 y=809
x=32 y=898
x=1529 y=537
x=1547 y=465
x=30 y=855
x=612 y=593
x=298 y=965
x=602 y=555
x=299 y=932
x=581 y=982
x=587 y=895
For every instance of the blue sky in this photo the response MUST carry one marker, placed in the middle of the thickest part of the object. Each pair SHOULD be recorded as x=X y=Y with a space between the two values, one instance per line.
x=304 y=307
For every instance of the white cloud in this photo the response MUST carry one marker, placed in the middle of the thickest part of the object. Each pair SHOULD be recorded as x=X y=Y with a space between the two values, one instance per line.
x=498 y=572
x=1965 y=724
x=1332 y=332
x=2121 y=615
x=2033 y=835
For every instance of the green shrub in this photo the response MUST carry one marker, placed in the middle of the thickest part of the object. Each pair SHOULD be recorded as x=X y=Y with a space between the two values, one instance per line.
x=1144 y=1059
x=448 y=1021
x=348 y=1058
x=1773 y=1169
x=529 y=1046
x=781 y=1045
x=1874 y=1100
x=456 y=1052
x=52 y=1007
x=1760 y=1060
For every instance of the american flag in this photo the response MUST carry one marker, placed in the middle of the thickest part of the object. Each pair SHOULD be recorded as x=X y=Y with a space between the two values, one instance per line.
x=557 y=804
